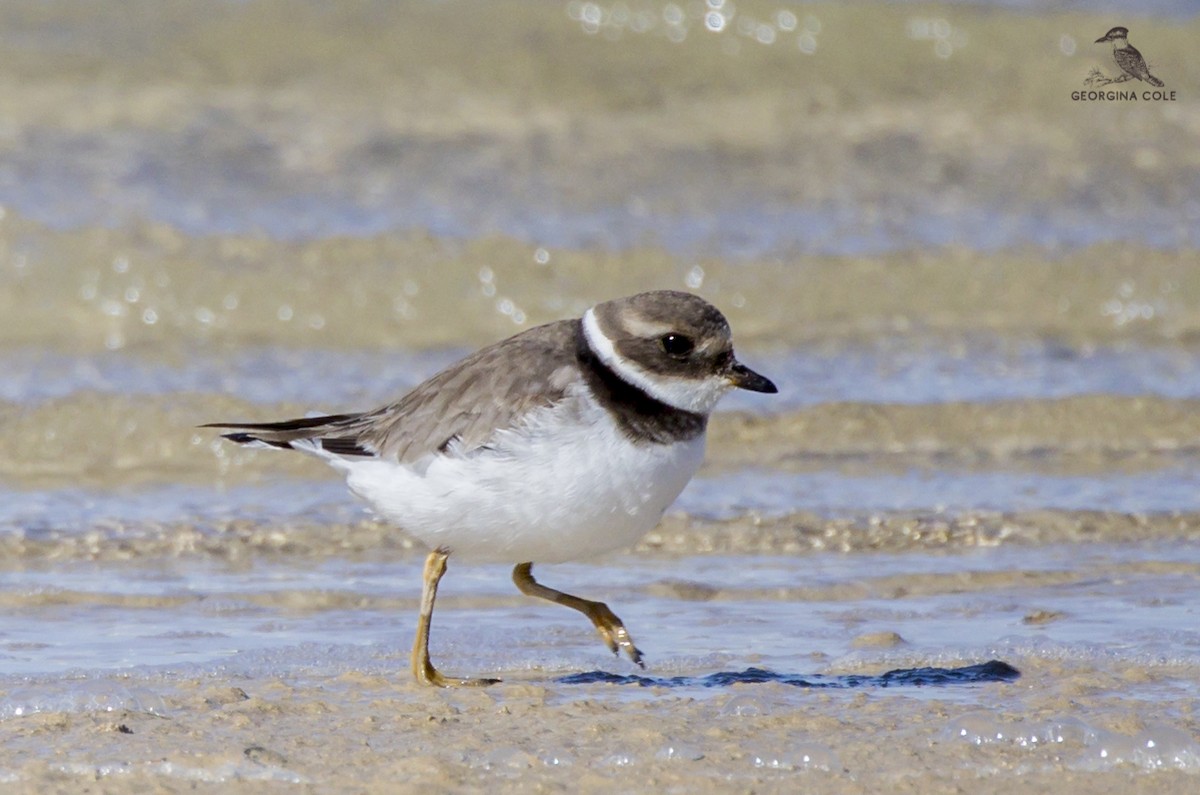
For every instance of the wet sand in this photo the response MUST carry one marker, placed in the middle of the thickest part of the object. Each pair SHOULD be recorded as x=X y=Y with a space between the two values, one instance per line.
x=368 y=733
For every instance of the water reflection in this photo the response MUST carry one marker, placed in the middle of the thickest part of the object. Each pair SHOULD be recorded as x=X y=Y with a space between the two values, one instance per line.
x=991 y=671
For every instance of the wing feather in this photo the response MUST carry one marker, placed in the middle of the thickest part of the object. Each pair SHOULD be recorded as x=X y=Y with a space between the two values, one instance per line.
x=458 y=410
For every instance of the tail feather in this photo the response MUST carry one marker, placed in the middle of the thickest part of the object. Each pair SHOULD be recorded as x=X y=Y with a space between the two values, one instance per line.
x=251 y=439
x=330 y=434
x=1154 y=81
x=288 y=426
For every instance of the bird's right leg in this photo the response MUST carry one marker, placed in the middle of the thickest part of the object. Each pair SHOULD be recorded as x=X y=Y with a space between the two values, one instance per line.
x=422 y=667
x=612 y=630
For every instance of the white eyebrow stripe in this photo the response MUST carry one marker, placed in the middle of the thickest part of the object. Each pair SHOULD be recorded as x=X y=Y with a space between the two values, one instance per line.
x=639 y=327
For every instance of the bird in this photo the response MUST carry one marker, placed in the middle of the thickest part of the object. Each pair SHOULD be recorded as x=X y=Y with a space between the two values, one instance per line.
x=1129 y=60
x=563 y=442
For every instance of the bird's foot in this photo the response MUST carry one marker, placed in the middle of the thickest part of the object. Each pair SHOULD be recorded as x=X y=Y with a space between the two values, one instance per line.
x=428 y=675
x=612 y=631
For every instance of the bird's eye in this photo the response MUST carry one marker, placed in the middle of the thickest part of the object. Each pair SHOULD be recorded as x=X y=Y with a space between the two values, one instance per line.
x=676 y=345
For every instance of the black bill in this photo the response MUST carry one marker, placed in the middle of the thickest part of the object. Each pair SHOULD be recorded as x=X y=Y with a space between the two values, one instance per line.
x=745 y=378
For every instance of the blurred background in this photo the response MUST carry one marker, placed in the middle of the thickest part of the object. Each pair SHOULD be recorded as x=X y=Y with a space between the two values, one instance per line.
x=202 y=173
x=980 y=299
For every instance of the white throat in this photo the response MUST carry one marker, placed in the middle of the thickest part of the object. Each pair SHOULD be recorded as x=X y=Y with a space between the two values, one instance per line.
x=699 y=397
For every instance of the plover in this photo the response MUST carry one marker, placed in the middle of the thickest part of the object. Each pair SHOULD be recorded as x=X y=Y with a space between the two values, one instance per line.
x=566 y=441
x=1129 y=60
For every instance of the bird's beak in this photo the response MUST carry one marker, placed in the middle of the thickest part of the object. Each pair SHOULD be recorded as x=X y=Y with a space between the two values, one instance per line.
x=1102 y=39
x=743 y=377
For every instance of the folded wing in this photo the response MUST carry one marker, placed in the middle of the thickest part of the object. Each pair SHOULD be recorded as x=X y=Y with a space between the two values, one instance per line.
x=460 y=408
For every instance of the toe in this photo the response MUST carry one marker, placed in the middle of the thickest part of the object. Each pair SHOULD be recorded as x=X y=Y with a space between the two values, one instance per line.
x=610 y=640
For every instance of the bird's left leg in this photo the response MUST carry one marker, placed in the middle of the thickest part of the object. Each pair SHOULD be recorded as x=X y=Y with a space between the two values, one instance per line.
x=611 y=630
x=422 y=667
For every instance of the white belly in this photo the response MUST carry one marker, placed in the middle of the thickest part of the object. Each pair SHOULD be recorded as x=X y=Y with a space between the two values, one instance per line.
x=552 y=491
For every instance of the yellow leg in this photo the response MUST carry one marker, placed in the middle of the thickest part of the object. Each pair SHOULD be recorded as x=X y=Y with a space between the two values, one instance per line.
x=611 y=630
x=422 y=668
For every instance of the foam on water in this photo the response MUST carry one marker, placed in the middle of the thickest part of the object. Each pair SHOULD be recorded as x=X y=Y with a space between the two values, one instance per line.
x=91 y=695
x=1081 y=746
x=802 y=756
x=217 y=774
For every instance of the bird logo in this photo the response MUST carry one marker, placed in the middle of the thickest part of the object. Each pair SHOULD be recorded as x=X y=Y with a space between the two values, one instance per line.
x=1129 y=61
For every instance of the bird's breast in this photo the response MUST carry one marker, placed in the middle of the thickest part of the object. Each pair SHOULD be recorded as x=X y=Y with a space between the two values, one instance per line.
x=564 y=484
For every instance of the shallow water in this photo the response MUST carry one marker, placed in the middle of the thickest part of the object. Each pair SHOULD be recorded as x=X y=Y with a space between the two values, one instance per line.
x=1126 y=606
x=876 y=371
x=128 y=513
x=977 y=297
